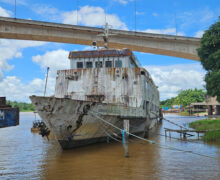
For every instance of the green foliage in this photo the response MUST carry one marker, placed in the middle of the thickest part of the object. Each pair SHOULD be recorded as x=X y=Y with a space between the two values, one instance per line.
x=167 y=103
x=185 y=98
x=184 y=113
x=209 y=53
x=211 y=136
x=208 y=124
x=22 y=106
x=212 y=79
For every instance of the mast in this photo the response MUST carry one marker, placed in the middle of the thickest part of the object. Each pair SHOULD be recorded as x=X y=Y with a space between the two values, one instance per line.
x=106 y=36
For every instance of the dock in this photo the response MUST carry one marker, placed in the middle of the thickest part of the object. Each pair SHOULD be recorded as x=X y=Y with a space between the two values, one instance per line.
x=184 y=132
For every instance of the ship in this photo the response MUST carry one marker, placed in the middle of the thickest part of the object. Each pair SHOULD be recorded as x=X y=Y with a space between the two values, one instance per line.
x=107 y=84
x=9 y=116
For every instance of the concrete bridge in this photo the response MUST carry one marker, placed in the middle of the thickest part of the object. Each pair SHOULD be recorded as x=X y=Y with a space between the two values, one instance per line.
x=177 y=46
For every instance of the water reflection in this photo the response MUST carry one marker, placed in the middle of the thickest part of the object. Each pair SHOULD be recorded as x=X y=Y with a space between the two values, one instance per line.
x=24 y=155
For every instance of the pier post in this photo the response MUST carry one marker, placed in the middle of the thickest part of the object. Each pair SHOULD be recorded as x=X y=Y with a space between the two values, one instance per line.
x=217 y=110
x=107 y=139
x=210 y=110
x=125 y=135
x=181 y=132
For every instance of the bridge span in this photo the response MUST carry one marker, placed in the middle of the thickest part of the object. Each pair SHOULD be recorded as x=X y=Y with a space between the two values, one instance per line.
x=176 y=46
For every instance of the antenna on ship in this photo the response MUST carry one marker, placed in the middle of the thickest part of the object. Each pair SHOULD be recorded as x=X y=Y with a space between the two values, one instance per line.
x=106 y=35
x=45 y=88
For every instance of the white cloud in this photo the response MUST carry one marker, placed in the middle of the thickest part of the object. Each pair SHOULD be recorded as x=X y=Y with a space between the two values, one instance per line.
x=170 y=79
x=13 y=49
x=13 y=88
x=57 y=59
x=155 y=14
x=93 y=16
x=4 y=12
x=169 y=31
x=124 y=2
x=199 y=34
x=47 y=11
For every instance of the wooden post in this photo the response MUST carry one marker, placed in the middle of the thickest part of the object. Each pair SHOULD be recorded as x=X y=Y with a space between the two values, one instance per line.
x=217 y=112
x=125 y=135
x=210 y=110
x=107 y=139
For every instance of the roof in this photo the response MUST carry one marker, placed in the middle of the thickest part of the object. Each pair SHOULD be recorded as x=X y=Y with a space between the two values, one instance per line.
x=100 y=53
x=103 y=53
x=198 y=104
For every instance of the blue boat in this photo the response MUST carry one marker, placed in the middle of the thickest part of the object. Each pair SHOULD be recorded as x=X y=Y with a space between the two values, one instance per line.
x=8 y=116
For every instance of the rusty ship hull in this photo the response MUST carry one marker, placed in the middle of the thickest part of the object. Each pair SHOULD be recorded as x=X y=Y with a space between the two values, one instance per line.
x=108 y=82
x=73 y=125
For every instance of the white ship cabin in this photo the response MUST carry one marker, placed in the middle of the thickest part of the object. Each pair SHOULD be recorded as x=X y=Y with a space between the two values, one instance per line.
x=108 y=76
x=105 y=58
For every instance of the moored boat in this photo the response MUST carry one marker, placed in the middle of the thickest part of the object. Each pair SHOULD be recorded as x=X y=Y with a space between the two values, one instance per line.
x=108 y=82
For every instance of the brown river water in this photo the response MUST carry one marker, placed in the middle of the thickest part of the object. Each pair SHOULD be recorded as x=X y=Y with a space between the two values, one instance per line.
x=24 y=155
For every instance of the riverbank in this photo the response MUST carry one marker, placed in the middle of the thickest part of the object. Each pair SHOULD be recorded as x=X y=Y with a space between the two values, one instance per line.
x=186 y=113
x=208 y=124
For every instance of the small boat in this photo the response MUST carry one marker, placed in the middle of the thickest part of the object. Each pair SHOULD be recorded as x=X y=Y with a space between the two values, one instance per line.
x=9 y=116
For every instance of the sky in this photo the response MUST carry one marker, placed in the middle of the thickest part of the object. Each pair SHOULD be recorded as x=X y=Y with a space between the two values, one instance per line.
x=23 y=64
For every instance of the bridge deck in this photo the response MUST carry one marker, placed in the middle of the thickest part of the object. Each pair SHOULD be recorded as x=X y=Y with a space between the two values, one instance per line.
x=177 y=46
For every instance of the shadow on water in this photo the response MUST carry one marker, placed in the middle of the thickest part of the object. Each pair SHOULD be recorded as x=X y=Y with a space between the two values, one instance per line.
x=24 y=155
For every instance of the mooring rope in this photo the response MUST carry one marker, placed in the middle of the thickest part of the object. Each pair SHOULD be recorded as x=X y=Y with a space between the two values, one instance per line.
x=93 y=113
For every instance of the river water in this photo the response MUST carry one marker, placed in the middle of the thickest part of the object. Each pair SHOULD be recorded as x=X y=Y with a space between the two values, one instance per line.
x=24 y=155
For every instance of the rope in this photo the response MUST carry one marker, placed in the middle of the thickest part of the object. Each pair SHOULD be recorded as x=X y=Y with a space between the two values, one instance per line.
x=92 y=113
x=150 y=141
x=111 y=136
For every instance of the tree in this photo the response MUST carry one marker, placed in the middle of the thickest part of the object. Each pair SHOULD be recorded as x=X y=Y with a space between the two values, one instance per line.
x=209 y=53
x=185 y=98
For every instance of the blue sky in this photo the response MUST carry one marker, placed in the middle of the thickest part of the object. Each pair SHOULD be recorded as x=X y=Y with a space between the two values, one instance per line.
x=23 y=63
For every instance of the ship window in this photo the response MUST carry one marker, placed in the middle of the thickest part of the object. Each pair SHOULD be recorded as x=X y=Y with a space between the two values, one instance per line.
x=79 y=65
x=118 y=63
x=89 y=64
x=98 y=64
x=108 y=64
x=142 y=73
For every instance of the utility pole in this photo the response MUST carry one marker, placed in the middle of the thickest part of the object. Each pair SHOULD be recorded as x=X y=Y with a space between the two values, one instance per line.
x=135 y=14
x=15 y=10
x=77 y=3
x=175 y=23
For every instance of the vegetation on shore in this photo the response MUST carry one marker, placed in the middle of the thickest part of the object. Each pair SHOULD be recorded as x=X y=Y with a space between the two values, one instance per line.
x=208 y=124
x=209 y=53
x=184 y=113
x=185 y=98
x=23 y=107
